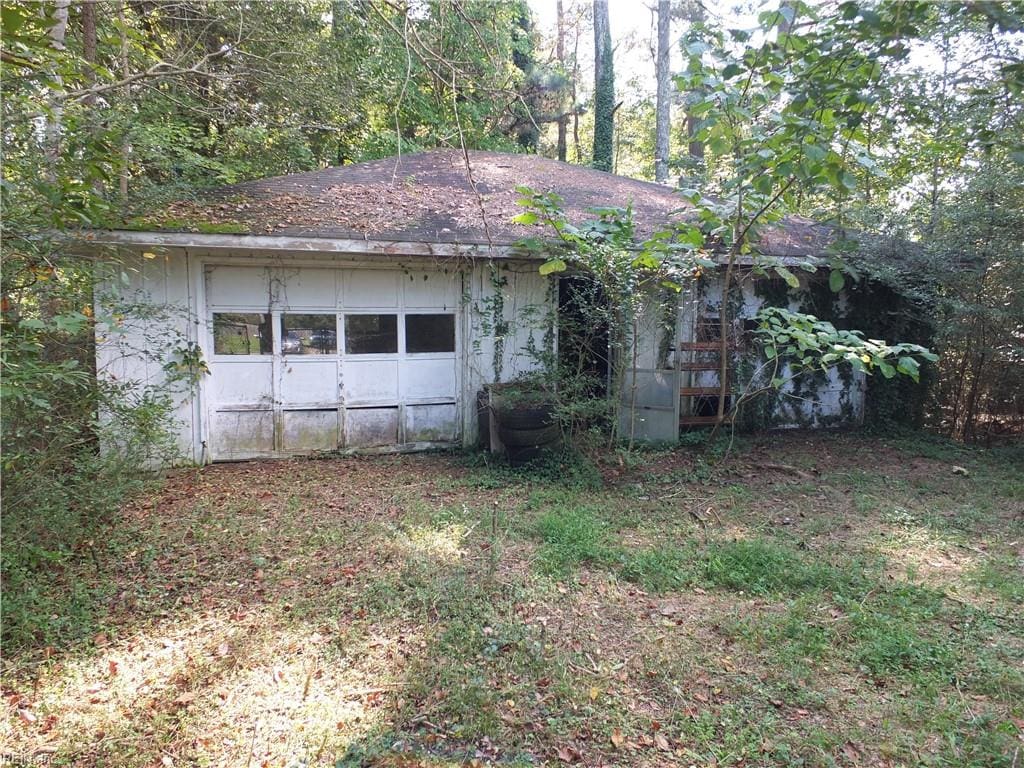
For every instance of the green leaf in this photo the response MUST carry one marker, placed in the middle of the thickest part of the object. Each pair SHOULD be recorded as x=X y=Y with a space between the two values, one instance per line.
x=731 y=71
x=554 y=265
x=764 y=184
x=646 y=261
x=836 y=281
x=529 y=217
x=909 y=366
x=791 y=280
x=719 y=145
x=815 y=153
x=12 y=18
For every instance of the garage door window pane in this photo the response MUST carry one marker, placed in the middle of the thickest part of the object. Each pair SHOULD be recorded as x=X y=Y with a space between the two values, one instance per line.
x=430 y=333
x=309 y=334
x=371 y=334
x=242 y=334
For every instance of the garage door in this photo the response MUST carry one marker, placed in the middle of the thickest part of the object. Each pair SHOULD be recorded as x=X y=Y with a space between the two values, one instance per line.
x=313 y=359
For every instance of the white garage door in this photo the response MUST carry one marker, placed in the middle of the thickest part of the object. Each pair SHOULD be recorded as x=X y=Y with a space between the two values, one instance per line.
x=310 y=359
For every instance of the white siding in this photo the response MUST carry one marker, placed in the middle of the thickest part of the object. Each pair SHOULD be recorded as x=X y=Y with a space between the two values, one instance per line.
x=135 y=347
x=171 y=288
x=836 y=398
x=507 y=335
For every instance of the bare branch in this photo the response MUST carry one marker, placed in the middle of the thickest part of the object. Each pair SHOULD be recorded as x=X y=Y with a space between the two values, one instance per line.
x=158 y=70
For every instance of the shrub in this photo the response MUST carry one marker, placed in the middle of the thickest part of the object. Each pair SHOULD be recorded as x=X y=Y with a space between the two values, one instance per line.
x=60 y=489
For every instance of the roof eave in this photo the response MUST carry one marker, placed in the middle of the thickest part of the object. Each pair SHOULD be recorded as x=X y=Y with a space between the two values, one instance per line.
x=296 y=244
x=264 y=244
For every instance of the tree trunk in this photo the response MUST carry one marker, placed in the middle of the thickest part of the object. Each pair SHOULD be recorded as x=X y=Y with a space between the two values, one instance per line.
x=54 y=120
x=577 y=147
x=724 y=318
x=694 y=148
x=604 y=90
x=663 y=108
x=563 y=121
x=971 y=407
x=88 y=10
x=126 y=148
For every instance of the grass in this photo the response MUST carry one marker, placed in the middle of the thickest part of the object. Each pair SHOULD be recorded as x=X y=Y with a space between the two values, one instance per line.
x=643 y=608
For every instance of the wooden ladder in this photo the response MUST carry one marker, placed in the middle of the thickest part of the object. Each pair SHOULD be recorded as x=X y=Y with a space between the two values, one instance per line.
x=697 y=356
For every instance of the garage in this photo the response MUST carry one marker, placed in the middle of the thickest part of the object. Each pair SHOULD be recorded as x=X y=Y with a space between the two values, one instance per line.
x=359 y=308
x=307 y=359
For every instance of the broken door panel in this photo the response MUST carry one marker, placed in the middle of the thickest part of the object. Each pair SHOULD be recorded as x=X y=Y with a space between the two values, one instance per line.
x=371 y=427
x=314 y=430
x=430 y=423
x=242 y=434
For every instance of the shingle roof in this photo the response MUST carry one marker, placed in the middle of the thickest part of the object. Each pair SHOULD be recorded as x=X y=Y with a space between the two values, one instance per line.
x=430 y=197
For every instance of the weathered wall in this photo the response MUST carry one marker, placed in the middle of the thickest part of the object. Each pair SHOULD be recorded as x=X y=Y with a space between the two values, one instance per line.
x=810 y=400
x=510 y=313
x=505 y=328
x=154 y=311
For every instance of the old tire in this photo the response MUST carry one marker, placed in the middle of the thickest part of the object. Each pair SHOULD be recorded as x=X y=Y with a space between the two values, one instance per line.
x=542 y=436
x=521 y=455
x=524 y=418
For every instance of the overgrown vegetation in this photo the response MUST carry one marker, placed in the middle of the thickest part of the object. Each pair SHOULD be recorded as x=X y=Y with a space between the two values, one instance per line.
x=820 y=600
x=437 y=610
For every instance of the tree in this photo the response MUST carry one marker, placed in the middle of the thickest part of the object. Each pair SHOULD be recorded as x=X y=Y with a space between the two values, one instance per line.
x=664 y=77
x=204 y=93
x=780 y=116
x=563 y=121
x=604 y=89
x=694 y=12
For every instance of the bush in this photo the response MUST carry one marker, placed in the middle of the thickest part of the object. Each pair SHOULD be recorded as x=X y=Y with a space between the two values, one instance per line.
x=60 y=489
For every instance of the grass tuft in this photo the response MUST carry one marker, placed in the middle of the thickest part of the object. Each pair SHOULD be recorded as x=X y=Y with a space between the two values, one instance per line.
x=572 y=536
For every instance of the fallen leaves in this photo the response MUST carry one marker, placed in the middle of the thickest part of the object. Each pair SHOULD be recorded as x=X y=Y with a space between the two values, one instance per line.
x=236 y=657
x=661 y=742
x=568 y=754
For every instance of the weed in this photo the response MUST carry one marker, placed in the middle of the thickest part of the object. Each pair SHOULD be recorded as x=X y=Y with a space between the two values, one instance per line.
x=565 y=468
x=1003 y=574
x=572 y=536
x=761 y=568
x=894 y=632
x=660 y=570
